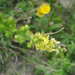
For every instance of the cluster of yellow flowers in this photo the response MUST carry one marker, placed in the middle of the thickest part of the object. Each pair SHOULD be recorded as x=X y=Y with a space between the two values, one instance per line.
x=43 y=9
x=43 y=43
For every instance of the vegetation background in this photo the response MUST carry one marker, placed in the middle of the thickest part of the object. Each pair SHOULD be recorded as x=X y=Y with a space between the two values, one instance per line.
x=17 y=59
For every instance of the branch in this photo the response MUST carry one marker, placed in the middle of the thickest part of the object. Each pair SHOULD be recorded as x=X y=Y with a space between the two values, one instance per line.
x=9 y=60
x=63 y=45
x=8 y=56
x=56 y=31
x=1 y=59
x=16 y=59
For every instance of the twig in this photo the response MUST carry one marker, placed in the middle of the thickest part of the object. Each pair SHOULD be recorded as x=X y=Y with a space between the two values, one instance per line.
x=13 y=53
x=15 y=56
x=18 y=64
x=1 y=59
x=23 y=19
x=53 y=71
x=63 y=61
x=63 y=45
x=21 y=49
x=33 y=10
x=9 y=60
x=56 y=31
x=27 y=13
x=49 y=68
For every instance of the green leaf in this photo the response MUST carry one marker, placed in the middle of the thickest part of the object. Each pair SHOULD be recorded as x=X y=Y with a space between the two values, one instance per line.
x=55 y=26
x=73 y=16
x=3 y=69
x=33 y=26
x=39 y=67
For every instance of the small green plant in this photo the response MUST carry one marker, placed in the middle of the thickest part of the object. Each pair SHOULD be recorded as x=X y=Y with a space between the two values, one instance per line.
x=22 y=36
x=41 y=41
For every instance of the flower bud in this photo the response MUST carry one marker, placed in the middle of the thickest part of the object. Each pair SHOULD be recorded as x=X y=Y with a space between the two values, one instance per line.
x=8 y=35
x=11 y=20
x=22 y=28
x=27 y=27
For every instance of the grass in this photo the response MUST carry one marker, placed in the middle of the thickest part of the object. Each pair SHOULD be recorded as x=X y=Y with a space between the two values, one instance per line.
x=24 y=13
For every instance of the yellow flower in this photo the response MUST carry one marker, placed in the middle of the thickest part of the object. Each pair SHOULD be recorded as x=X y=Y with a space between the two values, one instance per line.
x=39 y=13
x=45 y=8
x=43 y=43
